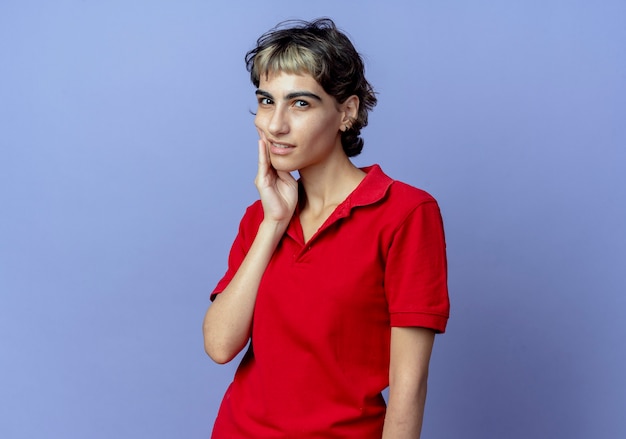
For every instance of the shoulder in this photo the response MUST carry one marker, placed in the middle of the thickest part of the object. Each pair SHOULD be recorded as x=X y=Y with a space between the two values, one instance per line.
x=254 y=211
x=408 y=205
x=394 y=203
x=406 y=194
x=251 y=219
x=403 y=197
x=378 y=186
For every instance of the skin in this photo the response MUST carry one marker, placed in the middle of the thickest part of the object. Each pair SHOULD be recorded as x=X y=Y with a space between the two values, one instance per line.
x=300 y=126
x=295 y=111
x=408 y=375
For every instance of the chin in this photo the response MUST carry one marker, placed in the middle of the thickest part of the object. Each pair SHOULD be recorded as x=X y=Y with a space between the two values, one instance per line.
x=283 y=165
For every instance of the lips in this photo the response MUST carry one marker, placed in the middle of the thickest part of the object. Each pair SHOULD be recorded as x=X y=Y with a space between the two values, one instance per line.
x=280 y=148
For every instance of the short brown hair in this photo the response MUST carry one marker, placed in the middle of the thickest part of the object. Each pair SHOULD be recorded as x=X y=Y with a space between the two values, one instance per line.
x=327 y=54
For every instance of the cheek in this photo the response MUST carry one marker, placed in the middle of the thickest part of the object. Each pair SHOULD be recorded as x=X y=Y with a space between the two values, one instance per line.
x=326 y=127
x=260 y=121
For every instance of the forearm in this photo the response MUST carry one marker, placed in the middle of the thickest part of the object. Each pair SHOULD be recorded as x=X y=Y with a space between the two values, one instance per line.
x=228 y=320
x=405 y=412
x=408 y=378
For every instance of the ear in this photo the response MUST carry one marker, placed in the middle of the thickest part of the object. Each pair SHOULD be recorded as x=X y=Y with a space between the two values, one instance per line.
x=350 y=112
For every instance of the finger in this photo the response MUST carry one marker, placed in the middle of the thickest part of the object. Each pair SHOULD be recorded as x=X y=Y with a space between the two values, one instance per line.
x=268 y=157
x=262 y=155
x=287 y=177
x=262 y=171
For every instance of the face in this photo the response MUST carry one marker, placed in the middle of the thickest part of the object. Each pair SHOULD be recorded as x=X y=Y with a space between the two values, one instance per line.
x=299 y=121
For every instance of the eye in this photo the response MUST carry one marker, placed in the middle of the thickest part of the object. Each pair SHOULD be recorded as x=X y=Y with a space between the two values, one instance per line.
x=265 y=101
x=300 y=103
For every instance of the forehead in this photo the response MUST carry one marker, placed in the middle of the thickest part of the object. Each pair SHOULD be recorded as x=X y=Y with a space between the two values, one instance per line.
x=281 y=81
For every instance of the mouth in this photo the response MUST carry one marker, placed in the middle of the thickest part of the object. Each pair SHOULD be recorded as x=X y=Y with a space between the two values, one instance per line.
x=280 y=148
x=279 y=145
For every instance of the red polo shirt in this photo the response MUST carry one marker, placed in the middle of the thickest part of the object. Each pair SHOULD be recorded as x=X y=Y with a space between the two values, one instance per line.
x=319 y=356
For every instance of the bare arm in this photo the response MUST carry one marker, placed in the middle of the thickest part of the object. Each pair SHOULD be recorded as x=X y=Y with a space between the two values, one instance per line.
x=228 y=320
x=408 y=374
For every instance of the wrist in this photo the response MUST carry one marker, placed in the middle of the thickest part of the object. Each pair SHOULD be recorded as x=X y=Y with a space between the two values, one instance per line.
x=275 y=228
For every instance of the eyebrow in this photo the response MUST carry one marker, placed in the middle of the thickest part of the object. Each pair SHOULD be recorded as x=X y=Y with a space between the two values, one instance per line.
x=292 y=95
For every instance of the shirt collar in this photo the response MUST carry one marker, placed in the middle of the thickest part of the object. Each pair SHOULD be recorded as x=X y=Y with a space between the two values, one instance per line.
x=370 y=190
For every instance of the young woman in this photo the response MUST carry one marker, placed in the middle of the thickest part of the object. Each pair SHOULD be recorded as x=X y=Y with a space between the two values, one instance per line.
x=337 y=280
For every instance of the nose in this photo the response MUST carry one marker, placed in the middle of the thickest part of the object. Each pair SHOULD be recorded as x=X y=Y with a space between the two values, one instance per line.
x=278 y=122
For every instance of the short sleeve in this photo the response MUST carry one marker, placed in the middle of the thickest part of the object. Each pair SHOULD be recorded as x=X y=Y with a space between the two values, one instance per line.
x=248 y=228
x=416 y=271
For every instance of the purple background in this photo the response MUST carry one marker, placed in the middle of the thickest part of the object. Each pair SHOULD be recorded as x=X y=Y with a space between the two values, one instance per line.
x=127 y=157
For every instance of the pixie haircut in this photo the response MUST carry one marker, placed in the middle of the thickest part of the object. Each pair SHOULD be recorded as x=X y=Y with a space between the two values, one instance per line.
x=324 y=52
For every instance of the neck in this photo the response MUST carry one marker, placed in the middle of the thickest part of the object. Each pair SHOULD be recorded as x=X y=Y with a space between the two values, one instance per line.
x=328 y=185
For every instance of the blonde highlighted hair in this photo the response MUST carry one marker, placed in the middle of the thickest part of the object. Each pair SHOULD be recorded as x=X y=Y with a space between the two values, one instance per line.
x=327 y=54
